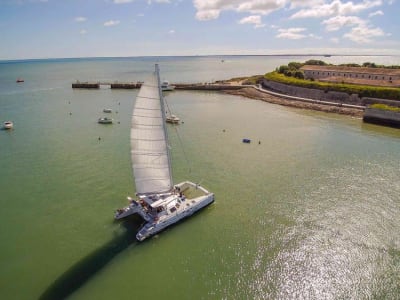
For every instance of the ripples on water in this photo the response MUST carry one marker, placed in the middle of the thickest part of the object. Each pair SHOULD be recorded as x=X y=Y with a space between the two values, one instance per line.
x=342 y=244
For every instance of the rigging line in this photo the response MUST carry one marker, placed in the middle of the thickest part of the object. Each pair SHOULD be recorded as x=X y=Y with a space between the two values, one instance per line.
x=183 y=149
x=179 y=137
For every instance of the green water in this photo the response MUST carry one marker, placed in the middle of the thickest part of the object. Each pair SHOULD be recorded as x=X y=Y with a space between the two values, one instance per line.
x=312 y=212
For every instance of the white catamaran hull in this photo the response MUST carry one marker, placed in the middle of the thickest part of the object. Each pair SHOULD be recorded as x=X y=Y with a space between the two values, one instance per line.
x=180 y=208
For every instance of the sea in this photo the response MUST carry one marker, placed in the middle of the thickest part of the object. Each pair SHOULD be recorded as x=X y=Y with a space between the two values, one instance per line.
x=310 y=209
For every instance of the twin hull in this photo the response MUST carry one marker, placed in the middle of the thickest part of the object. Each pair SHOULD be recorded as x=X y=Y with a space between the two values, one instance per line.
x=177 y=207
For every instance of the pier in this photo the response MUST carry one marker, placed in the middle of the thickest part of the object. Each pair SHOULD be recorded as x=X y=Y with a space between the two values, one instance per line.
x=178 y=86
x=112 y=85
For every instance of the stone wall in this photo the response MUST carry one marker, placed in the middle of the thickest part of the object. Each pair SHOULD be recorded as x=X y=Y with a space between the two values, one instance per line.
x=330 y=96
x=382 y=117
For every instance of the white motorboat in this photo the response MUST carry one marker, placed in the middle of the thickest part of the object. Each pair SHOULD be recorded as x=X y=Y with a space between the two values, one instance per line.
x=8 y=125
x=172 y=119
x=165 y=86
x=159 y=202
x=105 y=120
x=107 y=110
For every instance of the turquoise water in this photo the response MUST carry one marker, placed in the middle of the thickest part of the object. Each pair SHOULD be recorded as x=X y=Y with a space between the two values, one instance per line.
x=310 y=213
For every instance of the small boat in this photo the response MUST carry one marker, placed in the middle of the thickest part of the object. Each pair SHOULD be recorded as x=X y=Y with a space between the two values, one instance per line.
x=165 y=86
x=8 y=125
x=246 y=141
x=105 y=120
x=172 y=119
x=107 y=110
x=20 y=80
x=159 y=202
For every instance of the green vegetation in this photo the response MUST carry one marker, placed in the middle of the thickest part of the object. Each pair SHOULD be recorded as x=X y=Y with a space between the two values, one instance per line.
x=385 y=107
x=361 y=90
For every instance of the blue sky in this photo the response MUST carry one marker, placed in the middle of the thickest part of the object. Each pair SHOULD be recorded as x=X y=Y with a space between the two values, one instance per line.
x=90 y=28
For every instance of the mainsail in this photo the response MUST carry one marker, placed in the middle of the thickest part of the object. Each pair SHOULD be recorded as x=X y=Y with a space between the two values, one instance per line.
x=149 y=148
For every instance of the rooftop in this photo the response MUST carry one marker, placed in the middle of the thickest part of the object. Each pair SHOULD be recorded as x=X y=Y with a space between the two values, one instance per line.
x=377 y=71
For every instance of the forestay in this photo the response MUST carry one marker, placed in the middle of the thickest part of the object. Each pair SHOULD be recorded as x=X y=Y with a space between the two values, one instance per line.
x=149 y=149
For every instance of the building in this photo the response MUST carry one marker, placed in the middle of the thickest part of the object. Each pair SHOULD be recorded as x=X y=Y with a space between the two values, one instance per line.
x=356 y=75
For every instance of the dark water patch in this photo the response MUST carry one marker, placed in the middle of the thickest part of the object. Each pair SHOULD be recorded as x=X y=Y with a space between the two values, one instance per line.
x=86 y=268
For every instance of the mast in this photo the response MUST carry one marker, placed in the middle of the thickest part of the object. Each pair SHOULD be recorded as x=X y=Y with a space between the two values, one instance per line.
x=163 y=109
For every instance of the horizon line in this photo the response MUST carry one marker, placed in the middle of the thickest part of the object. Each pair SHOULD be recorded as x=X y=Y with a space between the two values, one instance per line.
x=198 y=55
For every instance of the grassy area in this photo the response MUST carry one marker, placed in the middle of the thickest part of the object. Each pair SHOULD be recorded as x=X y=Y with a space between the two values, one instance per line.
x=361 y=90
x=385 y=107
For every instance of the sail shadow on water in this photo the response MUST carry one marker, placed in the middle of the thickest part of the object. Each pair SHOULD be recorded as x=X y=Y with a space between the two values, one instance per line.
x=81 y=272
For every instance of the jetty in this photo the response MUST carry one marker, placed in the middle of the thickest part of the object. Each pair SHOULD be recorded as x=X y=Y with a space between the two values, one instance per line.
x=178 y=86
x=112 y=85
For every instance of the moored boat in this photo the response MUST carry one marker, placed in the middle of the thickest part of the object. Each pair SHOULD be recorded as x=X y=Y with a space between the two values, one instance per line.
x=107 y=110
x=105 y=120
x=165 y=86
x=172 y=119
x=8 y=125
x=159 y=202
x=19 y=80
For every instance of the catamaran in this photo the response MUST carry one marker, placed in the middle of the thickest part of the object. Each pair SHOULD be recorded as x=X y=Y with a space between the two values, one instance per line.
x=159 y=202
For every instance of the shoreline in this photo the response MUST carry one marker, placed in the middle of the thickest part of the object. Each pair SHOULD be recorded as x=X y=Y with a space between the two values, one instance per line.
x=252 y=93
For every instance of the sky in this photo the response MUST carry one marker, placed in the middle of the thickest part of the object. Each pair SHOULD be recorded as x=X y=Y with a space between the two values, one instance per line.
x=121 y=28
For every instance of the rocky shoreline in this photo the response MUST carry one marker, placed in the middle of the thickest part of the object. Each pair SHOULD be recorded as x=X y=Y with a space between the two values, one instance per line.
x=252 y=93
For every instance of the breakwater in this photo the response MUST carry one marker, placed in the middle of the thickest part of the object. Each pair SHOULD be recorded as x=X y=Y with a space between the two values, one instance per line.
x=113 y=85
x=382 y=117
x=178 y=86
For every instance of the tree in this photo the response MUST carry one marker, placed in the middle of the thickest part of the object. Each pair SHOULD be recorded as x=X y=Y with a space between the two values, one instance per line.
x=315 y=62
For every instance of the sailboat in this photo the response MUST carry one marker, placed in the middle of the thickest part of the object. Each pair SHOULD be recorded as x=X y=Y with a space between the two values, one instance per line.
x=158 y=201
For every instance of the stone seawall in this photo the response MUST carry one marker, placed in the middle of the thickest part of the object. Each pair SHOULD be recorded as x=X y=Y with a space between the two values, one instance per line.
x=330 y=96
x=382 y=117
x=208 y=87
x=85 y=85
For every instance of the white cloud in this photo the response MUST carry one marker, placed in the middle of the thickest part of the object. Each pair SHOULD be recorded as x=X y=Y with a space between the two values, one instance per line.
x=80 y=19
x=83 y=31
x=336 y=7
x=291 y=33
x=363 y=34
x=335 y=40
x=211 y=9
x=158 y=1
x=376 y=13
x=172 y=31
x=256 y=20
x=338 y=22
x=122 y=1
x=111 y=23
x=305 y=3
x=317 y=37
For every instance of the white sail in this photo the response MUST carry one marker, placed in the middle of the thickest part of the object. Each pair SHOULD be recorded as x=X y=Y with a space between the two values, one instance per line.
x=149 y=148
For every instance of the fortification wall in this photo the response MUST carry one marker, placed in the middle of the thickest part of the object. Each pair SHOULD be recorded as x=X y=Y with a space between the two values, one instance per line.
x=330 y=96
